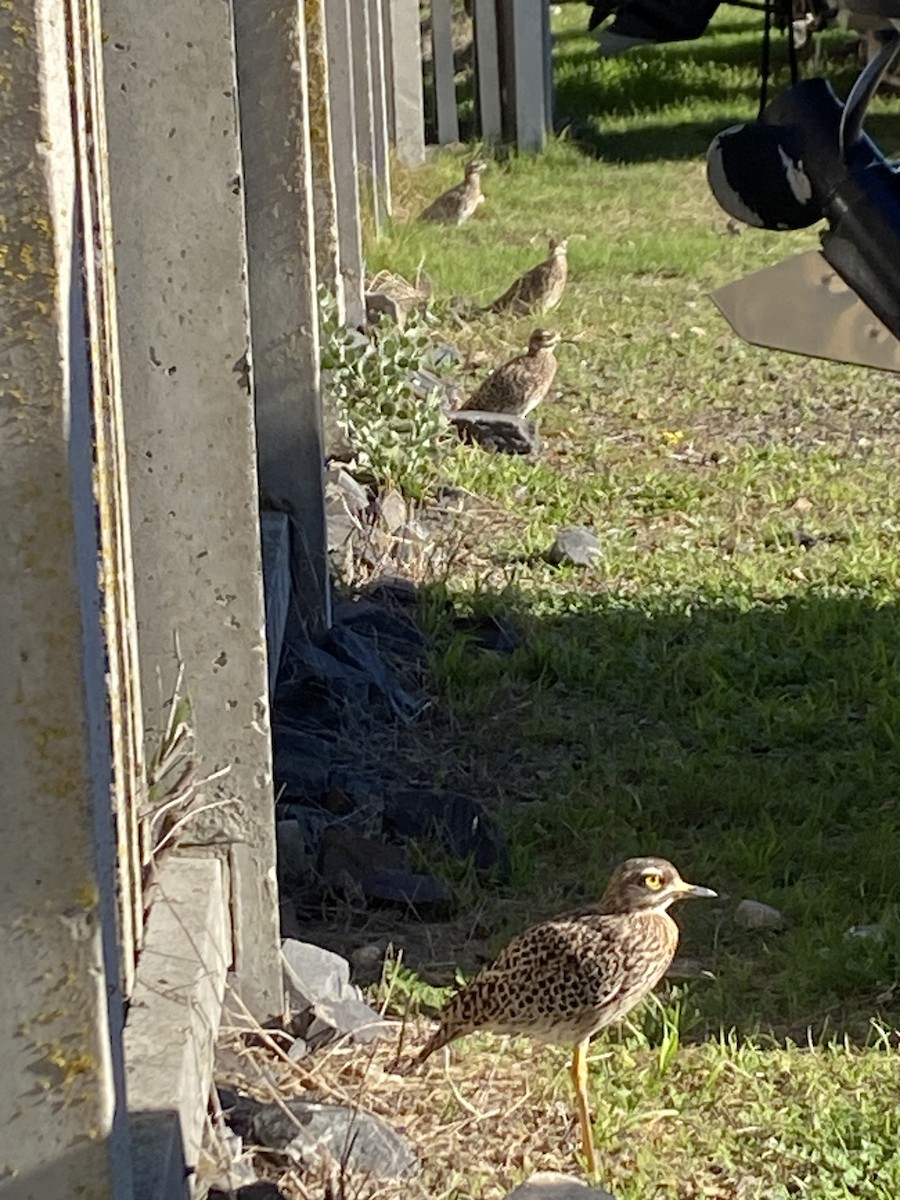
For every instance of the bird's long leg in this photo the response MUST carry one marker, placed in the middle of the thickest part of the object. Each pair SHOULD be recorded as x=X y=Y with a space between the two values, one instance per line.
x=579 y=1078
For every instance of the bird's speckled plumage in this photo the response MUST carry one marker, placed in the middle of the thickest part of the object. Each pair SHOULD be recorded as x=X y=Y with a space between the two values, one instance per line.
x=457 y=204
x=540 y=288
x=521 y=384
x=565 y=979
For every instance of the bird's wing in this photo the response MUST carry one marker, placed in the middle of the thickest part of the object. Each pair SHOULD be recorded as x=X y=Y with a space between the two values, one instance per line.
x=506 y=380
x=522 y=291
x=445 y=205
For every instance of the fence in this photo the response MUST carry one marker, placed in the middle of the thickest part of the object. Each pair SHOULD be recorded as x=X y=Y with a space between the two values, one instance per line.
x=176 y=181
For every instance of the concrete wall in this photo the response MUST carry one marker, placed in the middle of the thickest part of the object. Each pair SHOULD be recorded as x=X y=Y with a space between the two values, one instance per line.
x=61 y=1112
x=184 y=331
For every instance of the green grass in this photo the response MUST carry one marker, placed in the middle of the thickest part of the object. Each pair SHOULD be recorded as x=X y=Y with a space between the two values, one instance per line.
x=724 y=688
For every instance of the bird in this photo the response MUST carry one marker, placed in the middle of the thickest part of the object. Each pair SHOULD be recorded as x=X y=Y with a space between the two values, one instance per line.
x=562 y=981
x=540 y=288
x=457 y=204
x=521 y=384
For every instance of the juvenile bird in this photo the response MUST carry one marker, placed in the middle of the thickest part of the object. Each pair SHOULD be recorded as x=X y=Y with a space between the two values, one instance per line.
x=521 y=384
x=457 y=204
x=540 y=288
x=564 y=980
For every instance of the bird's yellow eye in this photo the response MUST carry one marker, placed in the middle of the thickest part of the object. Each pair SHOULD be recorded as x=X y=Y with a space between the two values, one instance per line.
x=653 y=881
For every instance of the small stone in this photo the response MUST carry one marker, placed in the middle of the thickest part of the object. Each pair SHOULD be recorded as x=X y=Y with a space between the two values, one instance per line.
x=500 y=432
x=802 y=505
x=313 y=973
x=751 y=914
x=343 y=850
x=325 y=1003
x=341 y=528
x=392 y=510
x=865 y=933
x=414 y=531
x=553 y=1185
x=353 y=492
x=310 y=1132
x=380 y=306
x=575 y=546
x=368 y=963
x=686 y=968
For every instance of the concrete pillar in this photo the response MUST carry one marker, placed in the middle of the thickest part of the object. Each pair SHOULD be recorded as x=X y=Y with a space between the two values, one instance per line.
x=447 y=115
x=275 y=121
x=62 y=1130
x=176 y=197
x=346 y=164
x=364 y=111
x=487 y=70
x=403 y=53
x=321 y=161
x=527 y=33
x=382 y=162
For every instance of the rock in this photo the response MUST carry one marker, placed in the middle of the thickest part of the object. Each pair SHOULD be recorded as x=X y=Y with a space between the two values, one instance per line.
x=345 y=851
x=313 y=974
x=500 y=432
x=865 y=933
x=336 y=441
x=686 y=968
x=357 y=1139
x=380 y=306
x=423 y=383
x=553 y=1185
x=301 y=761
x=393 y=510
x=327 y=1005
x=414 y=531
x=751 y=914
x=459 y=823
x=355 y=495
x=368 y=963
x=340 y=531
x=444 y=355
x=379 y=869
x=575 y=546
x=362 y=794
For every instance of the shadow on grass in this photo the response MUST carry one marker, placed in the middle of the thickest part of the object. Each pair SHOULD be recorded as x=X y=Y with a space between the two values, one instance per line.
x=758 y=748
x=646 y=85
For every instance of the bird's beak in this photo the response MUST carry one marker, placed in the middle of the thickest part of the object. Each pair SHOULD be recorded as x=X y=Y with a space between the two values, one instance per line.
x=695 y=892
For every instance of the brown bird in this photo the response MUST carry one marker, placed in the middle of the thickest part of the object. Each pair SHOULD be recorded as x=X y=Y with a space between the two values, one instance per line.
x=566 y=979
x=457 y=204
x=541 y=287
x=521 y=384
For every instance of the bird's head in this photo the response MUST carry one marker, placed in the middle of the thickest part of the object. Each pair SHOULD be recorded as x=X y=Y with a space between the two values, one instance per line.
x=559 y=246
x=474 y=168
x=648 y=884
x=542 y=339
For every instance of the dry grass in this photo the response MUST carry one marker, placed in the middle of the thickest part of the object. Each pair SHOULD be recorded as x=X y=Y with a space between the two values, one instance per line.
x=480 y=1117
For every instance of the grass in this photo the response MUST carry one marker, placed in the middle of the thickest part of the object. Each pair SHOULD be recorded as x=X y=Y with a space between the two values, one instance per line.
x=723 y=689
